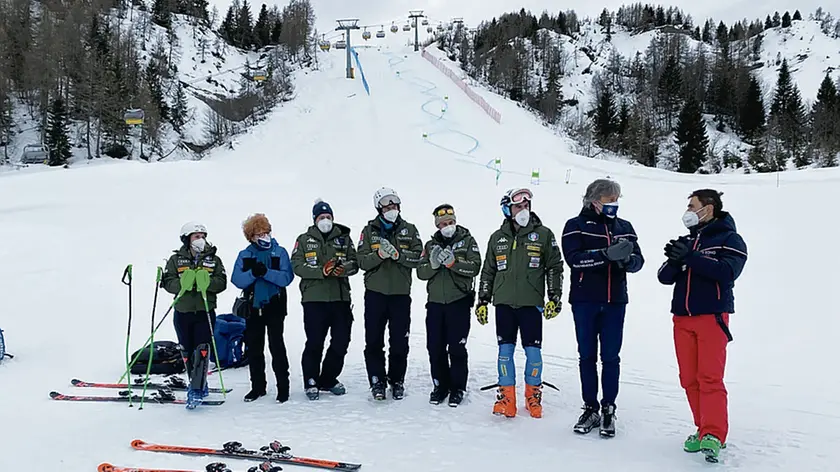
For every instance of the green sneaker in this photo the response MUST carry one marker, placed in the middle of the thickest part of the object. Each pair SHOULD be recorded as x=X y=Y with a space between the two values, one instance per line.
x=692 y=443
x=710 y=446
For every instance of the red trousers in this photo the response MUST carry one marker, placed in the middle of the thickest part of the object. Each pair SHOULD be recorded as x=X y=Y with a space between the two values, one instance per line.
x=701 y=354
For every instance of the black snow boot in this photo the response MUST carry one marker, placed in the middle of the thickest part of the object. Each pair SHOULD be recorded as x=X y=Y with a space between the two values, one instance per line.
x=378 y=391
x=254 y=394
x=398 y=390
x=456 y=397
x=588 y=420
x=438 y=395
x=608 y=421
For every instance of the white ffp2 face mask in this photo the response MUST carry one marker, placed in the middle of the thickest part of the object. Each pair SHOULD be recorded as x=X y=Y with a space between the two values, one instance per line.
x=448 y=231
x=325 y=225
x=198 y=245
x=391 y=215
x=522 y=218
x=690 y=219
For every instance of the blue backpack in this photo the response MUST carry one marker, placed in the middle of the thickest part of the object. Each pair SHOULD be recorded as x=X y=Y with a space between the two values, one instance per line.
x=3 y=353
x=230 y=337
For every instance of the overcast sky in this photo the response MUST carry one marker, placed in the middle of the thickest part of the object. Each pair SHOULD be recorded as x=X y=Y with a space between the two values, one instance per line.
x=474 y=11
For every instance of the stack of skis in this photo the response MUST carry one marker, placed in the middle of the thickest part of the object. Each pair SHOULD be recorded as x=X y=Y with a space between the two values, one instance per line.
x=269 y=456
x=164 y=392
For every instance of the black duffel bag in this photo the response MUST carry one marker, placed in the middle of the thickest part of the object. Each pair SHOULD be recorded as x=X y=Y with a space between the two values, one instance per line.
x=167 y=359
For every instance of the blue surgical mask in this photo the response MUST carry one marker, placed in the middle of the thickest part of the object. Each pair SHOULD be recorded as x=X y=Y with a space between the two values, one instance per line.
x=264 y=242
x=610 y=210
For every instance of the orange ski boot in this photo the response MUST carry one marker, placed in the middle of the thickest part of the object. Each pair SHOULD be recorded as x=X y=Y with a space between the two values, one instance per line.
x=505 y=401
x=533 y=400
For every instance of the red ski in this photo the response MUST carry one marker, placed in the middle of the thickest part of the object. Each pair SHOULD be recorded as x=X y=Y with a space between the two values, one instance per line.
x=274 y=452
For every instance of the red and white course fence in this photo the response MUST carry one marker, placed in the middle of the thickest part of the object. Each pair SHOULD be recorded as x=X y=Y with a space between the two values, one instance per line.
x=462 y=84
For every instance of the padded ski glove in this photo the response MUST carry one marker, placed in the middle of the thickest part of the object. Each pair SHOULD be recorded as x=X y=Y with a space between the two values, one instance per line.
x=553 y=307
x=329 y=268
x=447 y=258
x=338 y=270
x=259 y=269
x=387 y=250
x=481 y=312
x=202 y=280
x=677 y=250
x=187 y=280
x=619 y=251
x=434 y=255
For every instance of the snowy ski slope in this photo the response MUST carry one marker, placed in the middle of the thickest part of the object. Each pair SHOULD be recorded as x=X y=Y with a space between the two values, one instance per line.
x=68 y=234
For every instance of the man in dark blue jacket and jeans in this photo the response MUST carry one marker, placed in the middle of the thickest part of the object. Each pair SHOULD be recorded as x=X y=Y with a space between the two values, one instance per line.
x=600 y=249
x=703 y=266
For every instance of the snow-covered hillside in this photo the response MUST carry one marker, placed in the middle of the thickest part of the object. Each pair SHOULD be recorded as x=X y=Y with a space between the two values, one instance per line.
x=68 y=234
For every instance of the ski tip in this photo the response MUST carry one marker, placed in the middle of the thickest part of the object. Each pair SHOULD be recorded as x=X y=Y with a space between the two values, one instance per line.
x=76 y=381
x=105 y=467
x=138 y=443
x=55 y=394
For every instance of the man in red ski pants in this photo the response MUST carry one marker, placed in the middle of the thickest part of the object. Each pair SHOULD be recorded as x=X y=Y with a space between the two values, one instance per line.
x=703 y=266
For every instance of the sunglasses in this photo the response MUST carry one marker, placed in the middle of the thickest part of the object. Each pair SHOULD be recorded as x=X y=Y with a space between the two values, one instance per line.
x=444 y=211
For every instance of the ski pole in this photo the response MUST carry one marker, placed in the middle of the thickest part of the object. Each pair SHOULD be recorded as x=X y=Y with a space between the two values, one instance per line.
x=213 y=341
x=126 y=279
x=152 y=338
x=146 y=344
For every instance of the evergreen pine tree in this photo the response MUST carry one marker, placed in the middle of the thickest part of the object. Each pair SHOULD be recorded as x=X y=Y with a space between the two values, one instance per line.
x=670 y=84
x=244 y=27
x=162 y=13
x=777 y=20
x=788 y=118
x=262 y=29
x=180 y=110
x=691 y=137
x=797 y=16
x=768 y=23
x=227 y=29
x=57 y=140
x=752 y=117
x=824 y=129
x=604 y=119
x=786 y=20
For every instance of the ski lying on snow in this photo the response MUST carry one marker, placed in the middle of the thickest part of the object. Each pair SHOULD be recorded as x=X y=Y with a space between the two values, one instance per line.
x=275 y=452
x=214 y=467
x=151 y=385
x=125 y=399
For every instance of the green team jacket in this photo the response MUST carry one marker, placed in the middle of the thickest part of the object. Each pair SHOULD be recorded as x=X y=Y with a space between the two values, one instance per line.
x=447 y=285
x=182 y=260
x=518 y=266
x=312 y=251
x=389 y=277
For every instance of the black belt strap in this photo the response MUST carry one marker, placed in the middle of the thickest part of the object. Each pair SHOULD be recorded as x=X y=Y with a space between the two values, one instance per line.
x=722 y=324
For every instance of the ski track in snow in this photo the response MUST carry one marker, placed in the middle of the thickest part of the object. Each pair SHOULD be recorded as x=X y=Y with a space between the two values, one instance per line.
x=69 y=233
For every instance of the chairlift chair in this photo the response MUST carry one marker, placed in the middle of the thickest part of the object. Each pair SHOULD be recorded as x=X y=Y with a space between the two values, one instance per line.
x=134 y=116
x=381 y=33
x=425 y=22
x=406 y=27
x=341 y=44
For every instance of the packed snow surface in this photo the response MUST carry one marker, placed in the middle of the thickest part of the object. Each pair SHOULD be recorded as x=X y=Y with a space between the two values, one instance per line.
x=67 y=235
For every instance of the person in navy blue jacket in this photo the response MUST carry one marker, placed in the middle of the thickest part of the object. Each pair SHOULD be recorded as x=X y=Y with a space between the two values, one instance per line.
x=703 y=266
x=263 y=270
x=601 y=249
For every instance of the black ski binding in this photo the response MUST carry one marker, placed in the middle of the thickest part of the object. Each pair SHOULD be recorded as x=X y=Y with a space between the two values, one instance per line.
x=265 y=467
x=217 y=467
x=163 y=395
x=233 y=446
x=278 y=448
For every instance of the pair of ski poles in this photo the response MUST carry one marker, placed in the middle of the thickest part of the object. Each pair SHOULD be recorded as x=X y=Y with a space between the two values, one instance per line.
x=127 y=280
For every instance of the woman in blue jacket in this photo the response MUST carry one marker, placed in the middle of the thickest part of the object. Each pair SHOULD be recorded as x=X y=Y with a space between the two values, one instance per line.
x=263 y=270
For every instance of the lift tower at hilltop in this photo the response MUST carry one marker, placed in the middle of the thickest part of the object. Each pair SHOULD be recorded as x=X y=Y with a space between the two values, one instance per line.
x=415 y=14
x=347 y=25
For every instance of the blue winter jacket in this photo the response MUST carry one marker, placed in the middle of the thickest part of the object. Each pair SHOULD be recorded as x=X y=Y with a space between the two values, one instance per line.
x=278 y=276
x=704 y=283
x=595 y=278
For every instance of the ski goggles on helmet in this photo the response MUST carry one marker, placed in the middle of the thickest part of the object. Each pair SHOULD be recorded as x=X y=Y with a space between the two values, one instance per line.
x=521 y=196
x=389 y=200
x=444 y=210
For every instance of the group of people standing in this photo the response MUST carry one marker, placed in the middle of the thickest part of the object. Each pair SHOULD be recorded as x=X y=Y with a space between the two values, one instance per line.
x=521 y=275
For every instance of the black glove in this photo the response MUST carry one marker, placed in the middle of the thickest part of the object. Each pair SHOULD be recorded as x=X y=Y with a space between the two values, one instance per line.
x=677 y=250
x=259 y=269
x=619 y=251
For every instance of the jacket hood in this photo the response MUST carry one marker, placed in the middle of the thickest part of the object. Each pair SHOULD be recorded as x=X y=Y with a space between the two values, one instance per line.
x=722 y=224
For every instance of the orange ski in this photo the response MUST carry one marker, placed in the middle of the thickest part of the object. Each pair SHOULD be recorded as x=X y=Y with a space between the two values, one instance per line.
x=274 y=452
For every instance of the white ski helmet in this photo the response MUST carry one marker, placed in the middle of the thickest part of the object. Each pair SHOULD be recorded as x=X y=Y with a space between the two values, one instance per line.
x=385 y=196
x=190 y=228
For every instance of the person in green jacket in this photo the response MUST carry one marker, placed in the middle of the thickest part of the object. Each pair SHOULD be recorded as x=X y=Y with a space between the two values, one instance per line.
x=324 y=257
x=192 y=273
x=451 y=261
x=523 y=259
x=389 y=248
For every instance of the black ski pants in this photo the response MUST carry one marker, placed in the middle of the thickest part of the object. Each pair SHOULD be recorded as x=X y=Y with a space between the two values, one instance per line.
x=271 y=318
x=318 y=319
x=393 y=312
x=447 y=329
x=192 y=330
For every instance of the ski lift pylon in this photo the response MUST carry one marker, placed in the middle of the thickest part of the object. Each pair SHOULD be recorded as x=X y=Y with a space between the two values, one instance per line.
x=134 y=116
